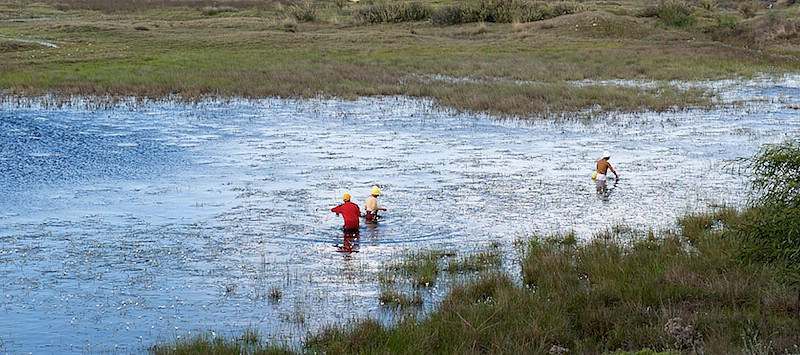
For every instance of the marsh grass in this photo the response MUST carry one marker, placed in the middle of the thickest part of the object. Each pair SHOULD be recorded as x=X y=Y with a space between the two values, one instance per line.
x=394 y=298
x=275 y=294
x=422 y=268
x=678 y=292
x=515 y=68
x=208 y=343
x=481 y=260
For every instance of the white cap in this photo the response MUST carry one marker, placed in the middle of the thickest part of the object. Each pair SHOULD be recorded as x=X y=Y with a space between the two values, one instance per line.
x=606 y=154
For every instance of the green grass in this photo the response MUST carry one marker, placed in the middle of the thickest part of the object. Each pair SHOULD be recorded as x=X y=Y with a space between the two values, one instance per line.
x=208 y=343
x=269 y=49
x=393 y=298
x=675 y=292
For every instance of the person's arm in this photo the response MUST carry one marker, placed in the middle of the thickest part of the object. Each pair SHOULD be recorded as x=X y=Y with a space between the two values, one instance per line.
x=337 y=209
x=613 y=171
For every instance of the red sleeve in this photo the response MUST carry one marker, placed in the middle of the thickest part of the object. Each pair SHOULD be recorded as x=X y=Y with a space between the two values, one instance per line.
x=337 y=209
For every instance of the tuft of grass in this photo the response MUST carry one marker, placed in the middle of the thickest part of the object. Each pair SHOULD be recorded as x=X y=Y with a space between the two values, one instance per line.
x=503 y=11
x=208 y=343
x=676 y=13
x=422 y=267
x=476 y=261
x=275 y=294
x=216 y=10
x=303 y=13
x=394 y=298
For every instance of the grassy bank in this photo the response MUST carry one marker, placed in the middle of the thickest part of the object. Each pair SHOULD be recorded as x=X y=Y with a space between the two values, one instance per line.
x=307 y=49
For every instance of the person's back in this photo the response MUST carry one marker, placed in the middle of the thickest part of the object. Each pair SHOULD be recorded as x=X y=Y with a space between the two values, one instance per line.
x=603 y=166
x=349 y=211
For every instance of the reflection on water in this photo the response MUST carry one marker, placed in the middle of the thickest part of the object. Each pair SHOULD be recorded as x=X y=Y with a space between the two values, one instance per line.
x=349 y=243
x=604 y=190
x=127 y=226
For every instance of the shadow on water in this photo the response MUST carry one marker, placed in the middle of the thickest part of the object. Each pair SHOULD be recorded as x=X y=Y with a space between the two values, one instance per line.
x=122 y=227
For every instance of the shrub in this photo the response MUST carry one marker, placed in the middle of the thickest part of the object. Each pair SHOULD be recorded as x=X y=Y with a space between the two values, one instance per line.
x=392 y=13
x=770 y=230
x=450 y=15
x=303 y=13
x=503 y=11
x=214 y=10
x=674 y=13
x=748 y=9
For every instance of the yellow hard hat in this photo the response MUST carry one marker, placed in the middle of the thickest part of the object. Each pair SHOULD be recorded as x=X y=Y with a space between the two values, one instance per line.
x=375 y=190
x=346 y=197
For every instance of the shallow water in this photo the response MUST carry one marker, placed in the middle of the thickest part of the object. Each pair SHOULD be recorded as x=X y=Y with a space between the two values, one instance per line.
x=126 y=226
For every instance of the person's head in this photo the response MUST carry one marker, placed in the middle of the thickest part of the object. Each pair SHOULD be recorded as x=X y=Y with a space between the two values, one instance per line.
x=346 y=197
x=606 y=155
x=375 y=191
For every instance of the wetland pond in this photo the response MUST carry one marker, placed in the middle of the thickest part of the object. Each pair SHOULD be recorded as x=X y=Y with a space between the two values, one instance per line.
x=122 y=227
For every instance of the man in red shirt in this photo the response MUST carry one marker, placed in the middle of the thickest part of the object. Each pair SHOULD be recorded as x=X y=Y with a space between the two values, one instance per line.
x=350 y=212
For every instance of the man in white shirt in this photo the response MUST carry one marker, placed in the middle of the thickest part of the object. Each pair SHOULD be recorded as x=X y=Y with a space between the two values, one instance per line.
x=371 y=206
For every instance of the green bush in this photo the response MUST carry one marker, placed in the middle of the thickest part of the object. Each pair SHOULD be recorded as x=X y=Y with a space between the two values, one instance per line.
x=770 y=230
x=672 y=12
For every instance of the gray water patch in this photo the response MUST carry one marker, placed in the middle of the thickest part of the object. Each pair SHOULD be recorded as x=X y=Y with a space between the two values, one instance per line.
x=29 y=40
x=129 y=225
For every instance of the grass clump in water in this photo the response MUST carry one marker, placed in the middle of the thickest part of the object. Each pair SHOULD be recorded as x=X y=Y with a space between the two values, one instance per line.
x=209 y=343
x=422 y=268
x=392 y=297
x=482 y=260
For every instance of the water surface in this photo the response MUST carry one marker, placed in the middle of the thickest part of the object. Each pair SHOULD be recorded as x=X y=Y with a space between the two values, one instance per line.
x=126 y=226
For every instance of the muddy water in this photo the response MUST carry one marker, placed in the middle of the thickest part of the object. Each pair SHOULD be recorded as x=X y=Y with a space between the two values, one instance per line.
x=127 y=226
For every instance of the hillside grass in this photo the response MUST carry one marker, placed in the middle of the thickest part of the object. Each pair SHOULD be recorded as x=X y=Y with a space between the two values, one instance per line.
x=256 y=49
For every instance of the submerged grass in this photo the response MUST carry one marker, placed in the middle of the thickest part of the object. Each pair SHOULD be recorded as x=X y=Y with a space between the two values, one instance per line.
x=208 y=343
x=297 y=49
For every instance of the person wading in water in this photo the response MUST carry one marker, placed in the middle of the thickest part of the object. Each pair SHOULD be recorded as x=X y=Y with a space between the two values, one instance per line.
x=350 y=212
x=602 y=168
x=371 y=206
